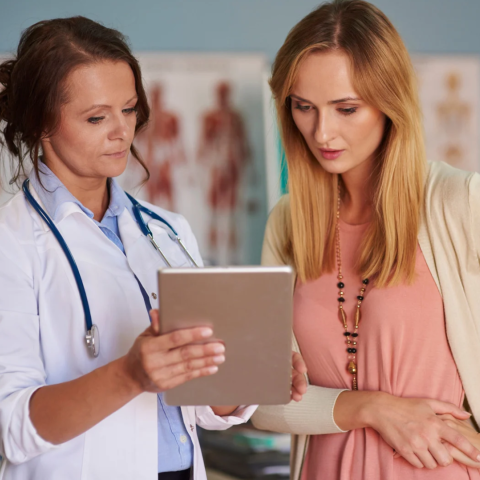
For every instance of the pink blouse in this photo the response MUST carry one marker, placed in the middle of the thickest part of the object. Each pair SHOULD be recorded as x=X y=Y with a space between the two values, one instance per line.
x=402 y=350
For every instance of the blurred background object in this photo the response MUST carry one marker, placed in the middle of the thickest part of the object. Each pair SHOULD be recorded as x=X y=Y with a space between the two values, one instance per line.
x=450 y=93
x=205 y=149
x=212 y=145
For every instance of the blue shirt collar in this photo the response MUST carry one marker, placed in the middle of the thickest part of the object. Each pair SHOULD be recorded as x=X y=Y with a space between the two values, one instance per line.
x=53 y=194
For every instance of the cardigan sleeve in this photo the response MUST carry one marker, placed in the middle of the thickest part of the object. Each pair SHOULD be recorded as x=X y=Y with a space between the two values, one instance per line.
x=474 y=200
x=313 y=415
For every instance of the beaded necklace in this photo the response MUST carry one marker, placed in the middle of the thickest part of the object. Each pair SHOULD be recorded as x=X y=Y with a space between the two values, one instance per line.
x=351 y=337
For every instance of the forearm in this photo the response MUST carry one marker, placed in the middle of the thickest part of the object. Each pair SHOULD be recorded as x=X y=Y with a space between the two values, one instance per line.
x=64 y=411
x=311 y=416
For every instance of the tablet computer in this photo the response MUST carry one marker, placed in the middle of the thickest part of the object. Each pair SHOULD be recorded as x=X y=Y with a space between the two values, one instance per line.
x=250 y=310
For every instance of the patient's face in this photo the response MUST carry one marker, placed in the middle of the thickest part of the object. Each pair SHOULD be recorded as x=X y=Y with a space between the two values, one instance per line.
x=342 y=131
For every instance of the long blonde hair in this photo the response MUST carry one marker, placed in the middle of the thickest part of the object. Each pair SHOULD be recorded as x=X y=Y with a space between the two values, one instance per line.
x=383 y=76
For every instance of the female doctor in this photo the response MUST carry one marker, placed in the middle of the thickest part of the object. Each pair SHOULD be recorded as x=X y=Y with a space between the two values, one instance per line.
x=79 y=358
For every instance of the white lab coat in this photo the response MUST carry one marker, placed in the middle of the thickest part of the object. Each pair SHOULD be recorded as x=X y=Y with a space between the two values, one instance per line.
x=42 y=340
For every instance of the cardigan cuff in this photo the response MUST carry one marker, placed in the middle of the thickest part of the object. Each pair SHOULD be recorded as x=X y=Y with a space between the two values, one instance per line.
x=316 y=412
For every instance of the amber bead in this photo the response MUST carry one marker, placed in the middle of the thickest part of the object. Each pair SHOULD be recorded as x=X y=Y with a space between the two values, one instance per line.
x=352 y=368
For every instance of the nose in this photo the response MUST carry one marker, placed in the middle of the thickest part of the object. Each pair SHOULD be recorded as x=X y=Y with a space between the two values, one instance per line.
x=325 y=128
x=120 y=128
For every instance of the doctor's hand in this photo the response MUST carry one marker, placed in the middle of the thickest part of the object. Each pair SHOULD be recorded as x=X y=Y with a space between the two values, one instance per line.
x=299 y=381
x=156 y=363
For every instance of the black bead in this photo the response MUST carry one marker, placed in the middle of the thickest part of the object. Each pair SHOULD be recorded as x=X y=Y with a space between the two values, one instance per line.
x=347 y=334
x=353 y=350
x=350 y=350
x=341 y=299
x=354 y=334
x=340 y=285
x=365 y=281
x=360 y=297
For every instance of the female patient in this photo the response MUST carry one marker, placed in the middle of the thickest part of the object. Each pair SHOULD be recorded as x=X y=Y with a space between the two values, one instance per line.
x=386 y=249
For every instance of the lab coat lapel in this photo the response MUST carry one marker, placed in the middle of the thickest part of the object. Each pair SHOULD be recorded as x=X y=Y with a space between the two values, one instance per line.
x=141 y=256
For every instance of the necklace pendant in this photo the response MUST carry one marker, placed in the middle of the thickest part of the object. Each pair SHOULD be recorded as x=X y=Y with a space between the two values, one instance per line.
x=352 y=368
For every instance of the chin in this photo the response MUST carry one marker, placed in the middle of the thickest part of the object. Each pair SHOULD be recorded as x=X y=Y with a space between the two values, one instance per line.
x=335 y=166
x=339 y=166
x=114 y=168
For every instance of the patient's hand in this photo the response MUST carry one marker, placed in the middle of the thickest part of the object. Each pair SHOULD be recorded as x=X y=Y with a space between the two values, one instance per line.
x=299 y=382
x=466 y=429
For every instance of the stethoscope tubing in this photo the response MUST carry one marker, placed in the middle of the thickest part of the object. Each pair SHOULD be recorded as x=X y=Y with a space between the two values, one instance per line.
x=92 y=336
x=137 y=208
x=66 y=250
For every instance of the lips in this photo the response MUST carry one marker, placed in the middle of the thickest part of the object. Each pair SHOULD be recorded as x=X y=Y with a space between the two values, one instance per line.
x=117 y=154
x=330 y=154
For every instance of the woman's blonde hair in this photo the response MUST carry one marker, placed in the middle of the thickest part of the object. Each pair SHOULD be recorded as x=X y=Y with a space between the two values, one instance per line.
x=383 y=76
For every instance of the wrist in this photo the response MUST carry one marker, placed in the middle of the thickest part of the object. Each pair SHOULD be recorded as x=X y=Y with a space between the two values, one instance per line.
x=124 y=378
x=354 y=409
x=370 y=406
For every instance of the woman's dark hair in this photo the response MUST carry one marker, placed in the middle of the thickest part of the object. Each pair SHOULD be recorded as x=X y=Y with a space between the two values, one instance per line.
x=34 y=86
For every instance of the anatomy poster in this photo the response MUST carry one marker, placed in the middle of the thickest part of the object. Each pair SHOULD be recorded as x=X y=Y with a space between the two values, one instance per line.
x=450 y=96
x=205 y=149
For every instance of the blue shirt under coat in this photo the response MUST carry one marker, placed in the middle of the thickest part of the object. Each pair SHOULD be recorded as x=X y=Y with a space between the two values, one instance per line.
x=175 y=448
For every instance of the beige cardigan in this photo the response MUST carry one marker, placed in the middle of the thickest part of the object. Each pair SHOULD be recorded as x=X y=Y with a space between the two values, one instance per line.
x=449 y=238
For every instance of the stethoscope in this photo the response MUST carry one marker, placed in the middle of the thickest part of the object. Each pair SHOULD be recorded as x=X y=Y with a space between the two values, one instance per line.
x=92 y=336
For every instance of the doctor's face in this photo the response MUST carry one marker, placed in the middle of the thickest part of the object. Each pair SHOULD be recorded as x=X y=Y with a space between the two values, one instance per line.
x=342 y=131
x=97 y=123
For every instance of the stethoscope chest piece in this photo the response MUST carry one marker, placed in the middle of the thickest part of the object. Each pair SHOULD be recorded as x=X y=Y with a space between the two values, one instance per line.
x=92 y=338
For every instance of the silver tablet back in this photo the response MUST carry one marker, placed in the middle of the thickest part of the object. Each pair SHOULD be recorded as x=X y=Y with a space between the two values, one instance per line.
x=250 y=310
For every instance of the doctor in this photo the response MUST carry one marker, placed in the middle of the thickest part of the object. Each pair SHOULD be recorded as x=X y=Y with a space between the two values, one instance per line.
x=79 y=401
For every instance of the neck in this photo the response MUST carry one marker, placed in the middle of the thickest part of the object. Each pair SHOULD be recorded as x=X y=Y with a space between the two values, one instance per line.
x=91 y=192
x=358 y=195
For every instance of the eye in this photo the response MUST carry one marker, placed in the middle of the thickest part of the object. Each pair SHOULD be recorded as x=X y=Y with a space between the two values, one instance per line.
x=302 y=108
x=128 y=111
x=347 y=111
x=95 y=120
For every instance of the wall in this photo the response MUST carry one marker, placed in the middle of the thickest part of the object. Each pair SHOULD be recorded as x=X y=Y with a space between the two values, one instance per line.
x=428 y=26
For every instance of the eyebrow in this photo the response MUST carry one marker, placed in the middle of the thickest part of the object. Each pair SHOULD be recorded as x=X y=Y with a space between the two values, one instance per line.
x=94 y=107
x=331 y=102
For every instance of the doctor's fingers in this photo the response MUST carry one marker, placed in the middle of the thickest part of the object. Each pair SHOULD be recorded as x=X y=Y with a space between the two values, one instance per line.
x=184 y=359
x=175 y=375
x=182 y=337
x=192 y=352
x=153 y=352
